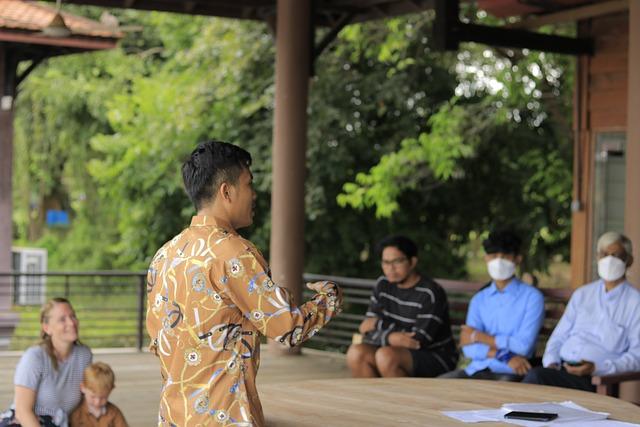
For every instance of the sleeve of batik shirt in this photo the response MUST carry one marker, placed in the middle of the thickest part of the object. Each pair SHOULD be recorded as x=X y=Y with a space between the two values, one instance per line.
x=151 y=320
x=270 y=308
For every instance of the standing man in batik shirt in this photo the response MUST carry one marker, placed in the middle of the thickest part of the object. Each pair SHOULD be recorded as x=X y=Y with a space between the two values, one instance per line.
x=211 y=298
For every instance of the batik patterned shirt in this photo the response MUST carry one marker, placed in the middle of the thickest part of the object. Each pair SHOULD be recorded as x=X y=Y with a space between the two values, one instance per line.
x=210 y=298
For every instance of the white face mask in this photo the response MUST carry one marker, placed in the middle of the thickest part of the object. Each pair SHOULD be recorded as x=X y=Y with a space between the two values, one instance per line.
x=501 y=269
x=611 y=268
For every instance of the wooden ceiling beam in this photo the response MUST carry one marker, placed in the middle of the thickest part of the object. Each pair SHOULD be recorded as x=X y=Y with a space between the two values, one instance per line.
x=449 y=31
x=361 y=4
x=255 y=9
x=83 y=43
x=572 y=15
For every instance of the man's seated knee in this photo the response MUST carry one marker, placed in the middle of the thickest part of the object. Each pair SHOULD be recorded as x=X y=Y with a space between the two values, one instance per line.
x=359 y=352
x=533 y=376
x=390 y=363
x=457 y=374
x=386 y=357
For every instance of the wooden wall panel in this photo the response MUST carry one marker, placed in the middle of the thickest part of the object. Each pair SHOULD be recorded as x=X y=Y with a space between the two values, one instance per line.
x=601 y=105
x=602 y=97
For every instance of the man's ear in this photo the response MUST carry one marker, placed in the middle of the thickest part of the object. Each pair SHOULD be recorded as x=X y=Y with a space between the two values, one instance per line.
x=224 y=192
x=414 y=261
x=630 y=261
x=518 y=259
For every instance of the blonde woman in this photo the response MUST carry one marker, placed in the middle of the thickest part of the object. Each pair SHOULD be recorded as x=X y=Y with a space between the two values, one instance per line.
x=48 y=376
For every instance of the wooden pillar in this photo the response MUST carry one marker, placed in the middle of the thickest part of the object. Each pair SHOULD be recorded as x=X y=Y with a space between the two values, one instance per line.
x=8 y=320
x=631 y=391
x=582 y=166
x=6 y=157
x=632 y=193
x=290 y=143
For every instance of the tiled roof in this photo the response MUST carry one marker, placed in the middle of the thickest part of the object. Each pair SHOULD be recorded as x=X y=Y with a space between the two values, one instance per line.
x=32 y=16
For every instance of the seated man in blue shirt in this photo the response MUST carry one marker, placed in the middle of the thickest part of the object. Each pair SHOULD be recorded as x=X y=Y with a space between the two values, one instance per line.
x=599 y=332
x=504 y=317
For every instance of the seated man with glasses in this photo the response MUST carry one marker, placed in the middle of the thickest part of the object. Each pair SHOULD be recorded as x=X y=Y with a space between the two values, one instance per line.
x=406 y=331
x=504 y=317
x=599 y=332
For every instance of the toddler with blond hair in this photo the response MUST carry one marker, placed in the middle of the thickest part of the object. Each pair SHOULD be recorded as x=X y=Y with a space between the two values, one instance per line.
x=95 y=409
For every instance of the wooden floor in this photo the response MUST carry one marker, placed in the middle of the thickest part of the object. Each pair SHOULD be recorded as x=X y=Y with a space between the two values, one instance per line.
x=138 y=378
x=138 y=386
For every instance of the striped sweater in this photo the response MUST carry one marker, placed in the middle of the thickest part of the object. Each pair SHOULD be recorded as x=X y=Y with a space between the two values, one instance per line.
x=422 y=309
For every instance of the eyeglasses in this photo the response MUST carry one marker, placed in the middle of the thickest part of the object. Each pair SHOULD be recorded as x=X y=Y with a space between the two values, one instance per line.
x=393 y=262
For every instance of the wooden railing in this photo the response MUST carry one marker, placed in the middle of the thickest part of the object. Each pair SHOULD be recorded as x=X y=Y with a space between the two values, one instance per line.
x=339 y=332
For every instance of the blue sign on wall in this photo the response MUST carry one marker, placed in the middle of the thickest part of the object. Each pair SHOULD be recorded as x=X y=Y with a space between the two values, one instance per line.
x=56 y=218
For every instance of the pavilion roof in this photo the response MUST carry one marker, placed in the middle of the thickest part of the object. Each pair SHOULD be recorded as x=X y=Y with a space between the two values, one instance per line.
x=22 y=22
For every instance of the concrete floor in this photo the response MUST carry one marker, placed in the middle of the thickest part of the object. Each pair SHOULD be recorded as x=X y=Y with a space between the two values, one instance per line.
x=138 y=377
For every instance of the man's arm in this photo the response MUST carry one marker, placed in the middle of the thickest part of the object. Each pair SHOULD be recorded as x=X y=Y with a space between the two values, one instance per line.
x=368 y=324
x=430 y=321
x=374 y=312
x=560 y=334
x=371 y=327
x=629 y=361
x=154 y=298
x=469 y=336
x=473 y=349
x=270 y=307
x=523 y=341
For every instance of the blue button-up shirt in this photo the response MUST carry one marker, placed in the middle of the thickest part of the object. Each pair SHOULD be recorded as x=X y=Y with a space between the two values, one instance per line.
x=600 y=327
x=513 y=316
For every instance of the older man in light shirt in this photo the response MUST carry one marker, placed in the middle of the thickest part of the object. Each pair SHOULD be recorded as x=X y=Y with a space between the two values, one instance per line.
x=599 y=333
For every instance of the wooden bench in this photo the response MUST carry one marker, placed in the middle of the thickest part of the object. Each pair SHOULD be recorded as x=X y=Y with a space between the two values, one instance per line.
x=340 y=332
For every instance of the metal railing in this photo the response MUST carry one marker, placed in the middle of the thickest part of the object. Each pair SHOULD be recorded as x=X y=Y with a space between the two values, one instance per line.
x=111 y=306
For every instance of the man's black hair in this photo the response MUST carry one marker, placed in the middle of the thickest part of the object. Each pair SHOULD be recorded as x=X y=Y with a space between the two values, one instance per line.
x=504 y=241
x=211 y=164
x=402 y=243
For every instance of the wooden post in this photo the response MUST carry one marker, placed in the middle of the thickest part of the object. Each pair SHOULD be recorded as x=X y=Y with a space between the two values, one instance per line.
x=290 y=143
x=631 y=391
x=632 y=196
x=581 y=205
x=8 y=320
x=6 y=156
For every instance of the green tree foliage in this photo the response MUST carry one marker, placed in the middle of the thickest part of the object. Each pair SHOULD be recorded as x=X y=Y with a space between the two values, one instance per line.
x=433 y=145
x=497 y=155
